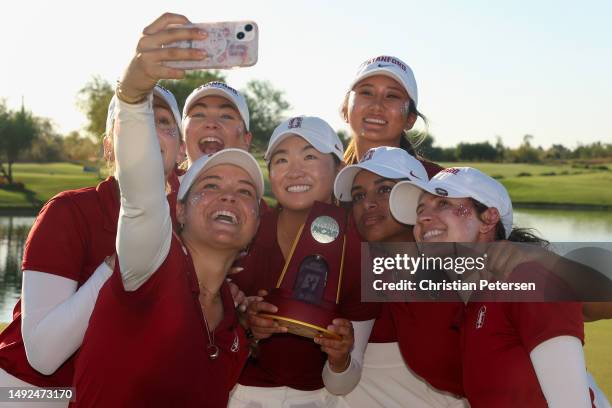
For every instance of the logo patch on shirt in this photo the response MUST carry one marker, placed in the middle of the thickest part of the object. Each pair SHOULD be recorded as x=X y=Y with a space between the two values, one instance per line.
x=482 y=312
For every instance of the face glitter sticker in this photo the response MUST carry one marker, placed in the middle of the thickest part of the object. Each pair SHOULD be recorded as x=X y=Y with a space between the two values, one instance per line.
x=462 y=211
x=405 y=109
x=196 y=198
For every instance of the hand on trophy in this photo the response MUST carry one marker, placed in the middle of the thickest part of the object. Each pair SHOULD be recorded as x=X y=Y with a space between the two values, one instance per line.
x=338 y=351
x=262 y=327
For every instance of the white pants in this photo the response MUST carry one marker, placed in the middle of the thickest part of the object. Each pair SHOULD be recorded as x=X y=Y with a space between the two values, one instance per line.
x=9 y=381
x=387 y=382
x=280 y=397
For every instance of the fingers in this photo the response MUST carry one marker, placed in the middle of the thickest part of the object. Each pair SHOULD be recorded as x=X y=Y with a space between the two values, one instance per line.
x=342 y=327
x=262 y=292
x=256 y=307
x=263 y=328
x=235 y=269
x=163 y=21
x=337 y=350
x=247 y=301
x=169 y=36
x=237 y=295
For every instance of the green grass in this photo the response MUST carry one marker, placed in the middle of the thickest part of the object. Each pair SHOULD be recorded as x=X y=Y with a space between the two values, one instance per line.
x=598 y=352
x=575 y=186
x=581 y=186
x=42 y=181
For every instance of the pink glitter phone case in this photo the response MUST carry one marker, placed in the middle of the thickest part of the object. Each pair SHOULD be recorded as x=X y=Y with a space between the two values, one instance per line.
x=229 y=44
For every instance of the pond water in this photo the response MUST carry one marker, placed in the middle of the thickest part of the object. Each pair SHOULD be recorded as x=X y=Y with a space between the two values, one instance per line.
x=554 y=225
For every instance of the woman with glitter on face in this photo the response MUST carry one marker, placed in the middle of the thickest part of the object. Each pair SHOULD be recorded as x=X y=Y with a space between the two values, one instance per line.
x=169 y=281
x=512 y=354
x=64 y=266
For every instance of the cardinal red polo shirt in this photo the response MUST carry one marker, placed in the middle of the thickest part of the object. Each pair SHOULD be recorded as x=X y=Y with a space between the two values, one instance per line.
x=149 y=347
x=71 y=236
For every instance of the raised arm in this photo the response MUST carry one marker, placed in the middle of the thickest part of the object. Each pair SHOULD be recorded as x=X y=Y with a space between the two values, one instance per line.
x=145 y=229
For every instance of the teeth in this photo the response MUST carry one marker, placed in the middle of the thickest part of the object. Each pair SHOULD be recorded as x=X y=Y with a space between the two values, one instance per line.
x=376 y=121
x=432 y=234
x=298 y=189
x=225 y=216
x=210 y=139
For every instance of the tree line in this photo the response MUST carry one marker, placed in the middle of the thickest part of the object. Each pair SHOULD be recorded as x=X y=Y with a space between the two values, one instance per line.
x=26 y=137
x=498 y=152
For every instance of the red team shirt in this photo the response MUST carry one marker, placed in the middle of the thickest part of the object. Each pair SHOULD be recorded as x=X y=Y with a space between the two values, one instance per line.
x=496 y=342
x=71 y=236
x=148 y=348
x=384 y=328
x=497 y=338
x=286 y=359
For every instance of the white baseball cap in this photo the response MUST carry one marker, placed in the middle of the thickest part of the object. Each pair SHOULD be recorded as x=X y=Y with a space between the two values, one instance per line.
x=392 y=67
x=314 y=130
x=159 y=91
x=237 y=157
x=223 y=90
x=388 y=162
x=453 y=182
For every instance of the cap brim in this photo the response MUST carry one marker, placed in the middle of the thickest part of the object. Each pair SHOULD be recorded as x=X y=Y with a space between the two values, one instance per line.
x=344 y=182
x=236 y=157
x=172 y=105
x=404 y=199
x=304 y=134
x=385 y=72
x=210 y=91
x=346 y=177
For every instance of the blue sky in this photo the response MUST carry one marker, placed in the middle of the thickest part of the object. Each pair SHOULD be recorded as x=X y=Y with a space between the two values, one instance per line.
x=483 y=68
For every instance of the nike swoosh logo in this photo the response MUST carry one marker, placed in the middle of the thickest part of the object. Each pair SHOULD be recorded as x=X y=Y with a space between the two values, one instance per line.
x=414 y=175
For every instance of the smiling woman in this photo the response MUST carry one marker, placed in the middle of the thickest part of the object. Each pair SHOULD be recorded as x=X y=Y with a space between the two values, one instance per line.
x=168 y=284
x=216 y=117
x=303 y=156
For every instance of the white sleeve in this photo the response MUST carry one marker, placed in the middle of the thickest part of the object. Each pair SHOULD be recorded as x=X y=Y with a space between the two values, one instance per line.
x=344 y=382
x=144 y=232
x=560 y=368
x=55 y=315
x=599 y=398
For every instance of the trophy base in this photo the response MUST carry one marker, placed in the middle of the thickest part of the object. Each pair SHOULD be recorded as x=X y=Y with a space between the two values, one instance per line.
x=302 y=318
x=301 y=328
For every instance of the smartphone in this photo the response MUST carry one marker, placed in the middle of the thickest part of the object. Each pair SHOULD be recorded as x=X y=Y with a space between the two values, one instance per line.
x=229 y=44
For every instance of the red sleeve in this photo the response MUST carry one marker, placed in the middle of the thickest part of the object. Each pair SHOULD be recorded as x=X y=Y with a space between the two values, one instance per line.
x=56 y=243
x=538 y=322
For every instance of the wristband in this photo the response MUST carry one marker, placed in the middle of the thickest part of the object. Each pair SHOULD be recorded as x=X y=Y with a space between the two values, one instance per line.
x=124 y=98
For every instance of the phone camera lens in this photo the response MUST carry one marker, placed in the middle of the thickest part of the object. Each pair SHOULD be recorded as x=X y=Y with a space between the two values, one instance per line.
x=248 y=27
x=240 y=35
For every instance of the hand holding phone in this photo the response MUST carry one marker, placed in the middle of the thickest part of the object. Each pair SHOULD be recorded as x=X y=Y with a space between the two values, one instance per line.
x=227 y=45
x=147 y=65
